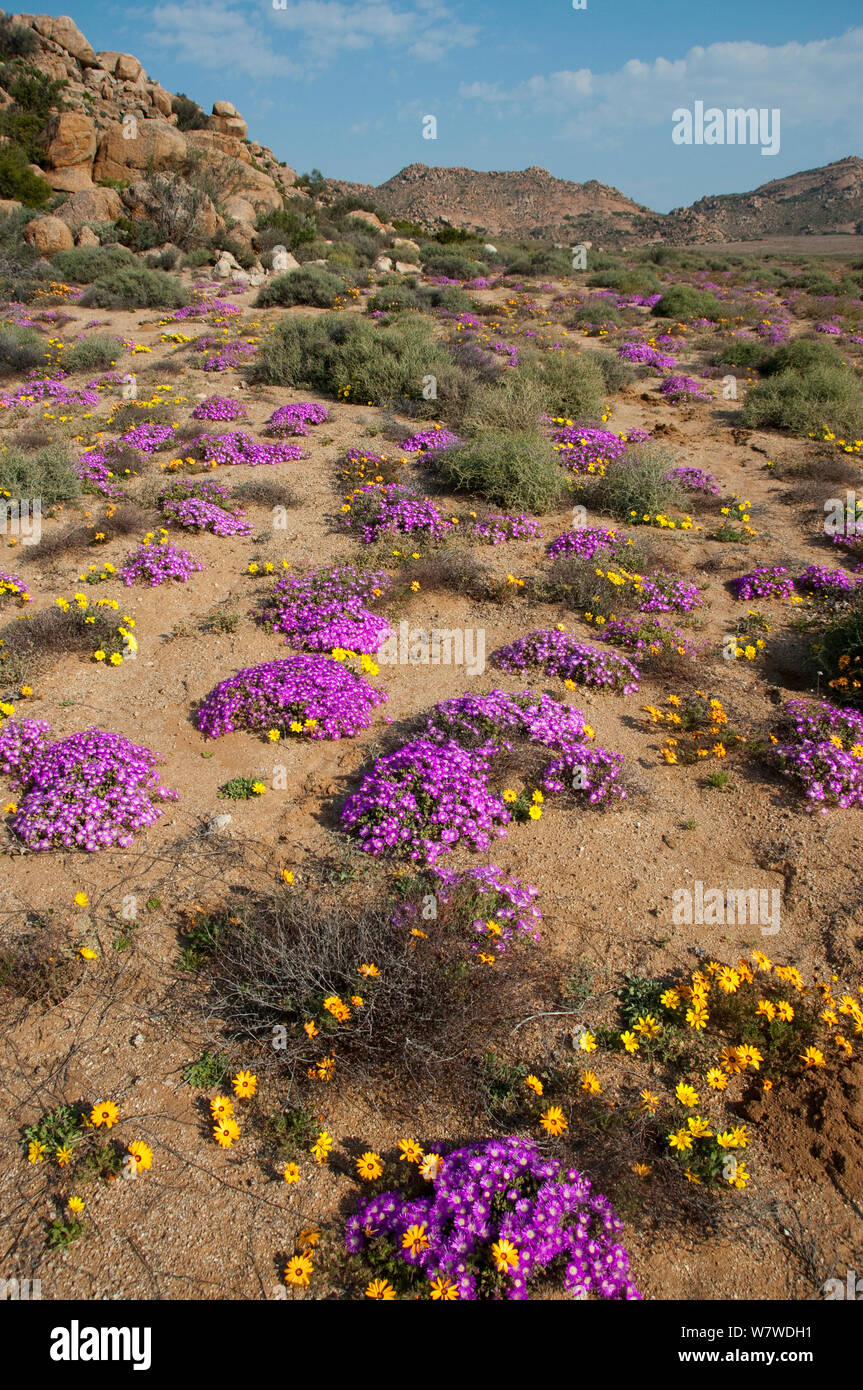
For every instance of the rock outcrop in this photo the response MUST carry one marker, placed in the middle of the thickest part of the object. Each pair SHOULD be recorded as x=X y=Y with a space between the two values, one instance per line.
x=115 y=122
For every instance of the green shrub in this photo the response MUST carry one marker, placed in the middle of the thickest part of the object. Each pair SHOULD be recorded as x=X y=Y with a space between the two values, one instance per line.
x=313 y=182
x=518 y=471
x=805 y=402
x=308 y=285
x=16 y=40
x=17 y=179
x=685 y=302
x=285 y=228
x=571 y=383
x=21 y=350
x=595 y=311
x=135 y=287
x=616 y=374
x=394 y=299
x=802 y=355
x=348 y=355
x=190 y=115
x=637 y=483
x=21 y=268
x=740 y=352
x=94 y=354
x=84 y=264
x=449 y=297
x=626 y=281
x=46 y=474
x=451 y=264
x=34 y=96
x=544 y=261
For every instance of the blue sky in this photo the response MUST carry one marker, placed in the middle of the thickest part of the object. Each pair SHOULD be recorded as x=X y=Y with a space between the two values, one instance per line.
x=343 y=85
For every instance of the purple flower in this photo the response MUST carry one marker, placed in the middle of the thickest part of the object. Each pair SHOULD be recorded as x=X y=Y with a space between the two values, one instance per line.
x=768 y=581
x=311 y=695
x=89 y=790
x=559 y=654
x=502 y=1189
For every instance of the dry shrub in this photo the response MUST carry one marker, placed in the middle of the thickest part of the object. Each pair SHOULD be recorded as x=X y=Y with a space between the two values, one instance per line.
x=124 y=520
x=274 y=959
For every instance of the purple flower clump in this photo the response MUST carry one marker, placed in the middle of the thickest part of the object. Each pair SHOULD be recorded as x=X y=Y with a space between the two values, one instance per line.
x=430 y=440
x=585 y=542
x=694 y=480
x=296 y=418
x=490 y=722
x=321 y=694
x=87 y=791
x=667 y=593
x=682 y=388
x=583 y=447
x=201 y=504
x=496 y=1190
x=827 y=583
x=511 y=905
x=155 y=564
x=830 y=773
x=559 y=654
x=768 y=581
x=149 y=438
x=327 y=609
x=93 y=469
x=392 y=507
x=422 y=799
x=649 y=635
x=220 y=408
x=497 y=527
x=645 y=355
x=241 y=448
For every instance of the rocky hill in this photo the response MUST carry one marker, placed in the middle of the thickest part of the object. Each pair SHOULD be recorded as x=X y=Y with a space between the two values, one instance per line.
x=526 y=202
x=111 y=123
x=818 y=201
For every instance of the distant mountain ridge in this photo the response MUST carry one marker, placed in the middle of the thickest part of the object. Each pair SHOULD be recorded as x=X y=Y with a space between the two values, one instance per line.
x=532 y=202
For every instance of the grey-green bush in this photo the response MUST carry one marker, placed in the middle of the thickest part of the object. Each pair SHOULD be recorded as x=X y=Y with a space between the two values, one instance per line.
x=365 y=361
x=637 y=483
x=806 y=402
x=309 y=285
x=135 y=287
x=519 y=471
x=46 y=474
x=84 y=264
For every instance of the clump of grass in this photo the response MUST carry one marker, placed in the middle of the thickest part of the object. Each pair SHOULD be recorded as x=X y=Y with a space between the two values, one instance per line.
x=135 y=287
x=211 y=1069
x=805 y=401
x=21 y=350
x=310 y=284
x=84 y=264
x=346 y=356
x=94 y=354
x=518 y=471
x=46 y=474
x=637 y=483
x=686 y=302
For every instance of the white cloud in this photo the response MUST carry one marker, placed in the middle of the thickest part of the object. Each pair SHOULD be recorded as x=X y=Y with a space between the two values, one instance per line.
x=305 y=36
x=814 y=84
